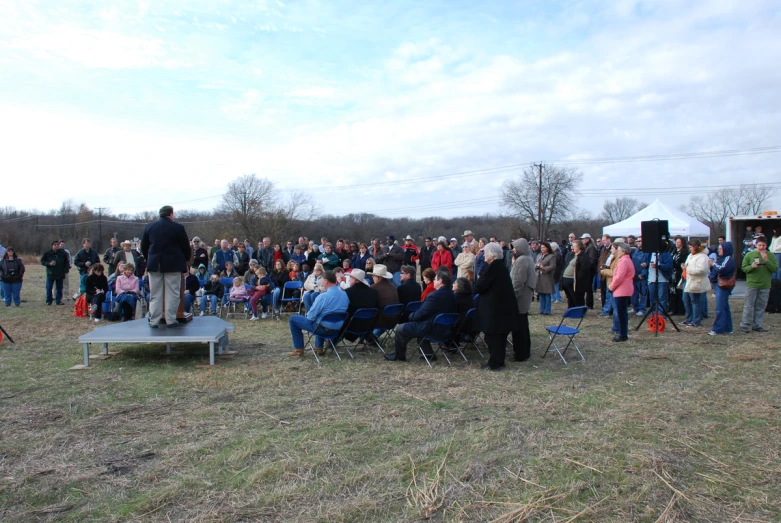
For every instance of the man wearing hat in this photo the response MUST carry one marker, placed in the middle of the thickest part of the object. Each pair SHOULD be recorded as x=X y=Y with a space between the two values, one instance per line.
x=469 y=240
x=391 y=256
x=361 y=296
x=593 y=256
x=386 y=291
x=129 y=255
x=411 y=252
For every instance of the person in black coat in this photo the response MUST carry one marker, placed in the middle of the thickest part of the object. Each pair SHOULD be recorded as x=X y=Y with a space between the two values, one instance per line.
x=409 y=290
x=95 y=289
x=361 y=296
x=166 y=248
x=440 y=301
x=584 y=276
x=497 y=310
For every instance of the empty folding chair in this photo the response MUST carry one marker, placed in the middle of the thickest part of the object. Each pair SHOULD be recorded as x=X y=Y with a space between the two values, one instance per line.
x=291 y=293
x=440 y=331
x=359 y=326
x=564 y=329
x=327 y=335
x=390 y=316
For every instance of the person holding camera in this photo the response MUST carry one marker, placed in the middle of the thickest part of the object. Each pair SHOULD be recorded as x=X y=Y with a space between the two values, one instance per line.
x=11 y=275
x=759 y=267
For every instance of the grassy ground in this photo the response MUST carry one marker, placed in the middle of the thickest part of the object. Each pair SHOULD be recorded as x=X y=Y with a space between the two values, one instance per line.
x=680 y=428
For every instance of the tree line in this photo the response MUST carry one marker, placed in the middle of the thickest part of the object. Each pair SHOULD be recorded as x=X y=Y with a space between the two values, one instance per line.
x=541 y=203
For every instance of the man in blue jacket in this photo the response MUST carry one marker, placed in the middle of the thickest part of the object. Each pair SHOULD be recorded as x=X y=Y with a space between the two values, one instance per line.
x=659 y=275
x=166 y=247
x=640 y=296
x=440 y=301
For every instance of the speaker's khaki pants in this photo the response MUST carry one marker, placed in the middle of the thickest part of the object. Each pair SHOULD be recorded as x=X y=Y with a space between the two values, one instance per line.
x=164 y=289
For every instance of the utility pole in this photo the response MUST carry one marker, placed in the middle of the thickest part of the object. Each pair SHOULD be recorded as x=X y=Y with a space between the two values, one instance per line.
x=100 y=227
x=539 y=203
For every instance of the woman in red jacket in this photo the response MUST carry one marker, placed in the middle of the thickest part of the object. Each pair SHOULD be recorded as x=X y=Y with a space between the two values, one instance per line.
x=622 y=288
x=442 y=258
x=428 y=278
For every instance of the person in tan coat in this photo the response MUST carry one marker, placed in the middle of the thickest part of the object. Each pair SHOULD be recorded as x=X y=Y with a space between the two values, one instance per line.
x=465 y=262
x=546 y=266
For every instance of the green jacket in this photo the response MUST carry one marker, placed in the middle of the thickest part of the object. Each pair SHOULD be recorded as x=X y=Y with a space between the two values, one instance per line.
x=60 y=268
x=759 y=277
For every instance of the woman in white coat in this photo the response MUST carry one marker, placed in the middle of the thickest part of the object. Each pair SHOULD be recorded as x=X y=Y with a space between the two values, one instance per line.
x=697 y=283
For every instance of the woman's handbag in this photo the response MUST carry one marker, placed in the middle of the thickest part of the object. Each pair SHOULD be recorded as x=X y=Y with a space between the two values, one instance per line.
x=727 y=283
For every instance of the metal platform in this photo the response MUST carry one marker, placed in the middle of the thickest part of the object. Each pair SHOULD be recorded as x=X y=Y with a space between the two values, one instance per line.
x=202 y=329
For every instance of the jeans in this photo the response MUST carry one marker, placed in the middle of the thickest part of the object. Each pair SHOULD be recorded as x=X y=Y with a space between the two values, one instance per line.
x=704 y=304
x=621 y=315
x=302 y=323
x=723 y=322
x=556 y=297
x=659 y=291
x=607 y=307
x=777 y=275
x=545 y=303
x=309 y=299
x=692 y=302
x=82 y=283
x=754 y=308
x=640 y=296
x=276 y=296
x=209 y=298
x=189 y=299
x=49 y=285
x=11 y=290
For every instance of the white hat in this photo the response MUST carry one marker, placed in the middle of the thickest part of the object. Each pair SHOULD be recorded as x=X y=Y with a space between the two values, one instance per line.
x=409 y=237
x=128 y=242
x=586 y=235
x=358 y=274
x=381 y=271
x=453 y=240
x=468 y=233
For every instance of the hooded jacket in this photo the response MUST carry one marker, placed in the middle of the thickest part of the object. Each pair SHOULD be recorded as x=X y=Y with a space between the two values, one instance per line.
x=524 y=275
x=725 y=265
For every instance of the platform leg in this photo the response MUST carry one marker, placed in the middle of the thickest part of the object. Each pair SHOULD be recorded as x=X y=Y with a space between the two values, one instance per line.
x=86 y=354
x=219 y=347
x=211 y=353
x=168 y=348
x=105 y=349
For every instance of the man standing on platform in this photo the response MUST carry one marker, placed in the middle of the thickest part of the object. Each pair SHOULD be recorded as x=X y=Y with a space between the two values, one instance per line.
x=166 y=247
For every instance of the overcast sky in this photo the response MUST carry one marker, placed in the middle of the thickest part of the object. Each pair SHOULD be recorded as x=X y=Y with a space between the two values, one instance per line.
x=132 y=105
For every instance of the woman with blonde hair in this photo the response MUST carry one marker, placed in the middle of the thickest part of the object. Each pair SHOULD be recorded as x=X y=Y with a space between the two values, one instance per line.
x=697 y=284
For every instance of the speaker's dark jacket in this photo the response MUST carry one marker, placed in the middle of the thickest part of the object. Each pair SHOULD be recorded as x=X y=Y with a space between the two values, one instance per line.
x=165 y=246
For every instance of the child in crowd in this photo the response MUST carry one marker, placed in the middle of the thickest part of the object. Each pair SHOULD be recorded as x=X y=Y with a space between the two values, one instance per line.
x=260 y=290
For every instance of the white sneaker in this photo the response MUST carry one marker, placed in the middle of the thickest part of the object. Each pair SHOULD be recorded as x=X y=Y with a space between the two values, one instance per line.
x=276 y=311
x=97 y=320
x=201 y=314
x=254 y=318
x=264 y=315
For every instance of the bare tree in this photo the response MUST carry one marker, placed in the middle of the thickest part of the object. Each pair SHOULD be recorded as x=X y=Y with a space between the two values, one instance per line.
x=620 y=209
x=542 y=195
x=714 y=208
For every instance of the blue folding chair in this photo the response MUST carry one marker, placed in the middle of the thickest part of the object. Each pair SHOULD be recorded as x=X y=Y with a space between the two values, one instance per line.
x=563 y=329
x=231 y=306
x=227 y=283
x=446 y=319
x=392 y=313
x=108 y=305
x=360 y=325
x=289 y=296
x=328 y=337
x=475 y=340
x=409 y=308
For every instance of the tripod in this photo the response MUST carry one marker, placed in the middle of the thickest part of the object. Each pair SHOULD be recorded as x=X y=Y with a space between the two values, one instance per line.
x=657 y=306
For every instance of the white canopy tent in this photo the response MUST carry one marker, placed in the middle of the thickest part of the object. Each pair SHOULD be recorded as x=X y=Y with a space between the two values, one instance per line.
x=679 y=222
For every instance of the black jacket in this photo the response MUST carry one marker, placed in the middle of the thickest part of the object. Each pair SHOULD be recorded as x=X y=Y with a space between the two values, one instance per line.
x=165 y=246
x=214 y=287
x=82 y=257
x=11 y=271
x=425 y=256
x=583 y=273
x=409 y=291
x=361 y=296
x=243 y=265
x=192 y=284
x=497 y=309
x=140 y=262
x=60 y=268
x=201 y=257
x=95 y=282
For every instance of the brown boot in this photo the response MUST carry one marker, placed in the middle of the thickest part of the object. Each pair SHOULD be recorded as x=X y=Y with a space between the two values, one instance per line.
x=296 y=353
x=319 y=352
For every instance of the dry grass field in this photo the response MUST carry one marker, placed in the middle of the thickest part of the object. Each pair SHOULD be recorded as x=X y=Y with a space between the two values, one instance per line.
x=683 y=427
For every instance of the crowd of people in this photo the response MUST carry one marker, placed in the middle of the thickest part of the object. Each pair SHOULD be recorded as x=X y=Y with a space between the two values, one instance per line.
x=444 y=274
